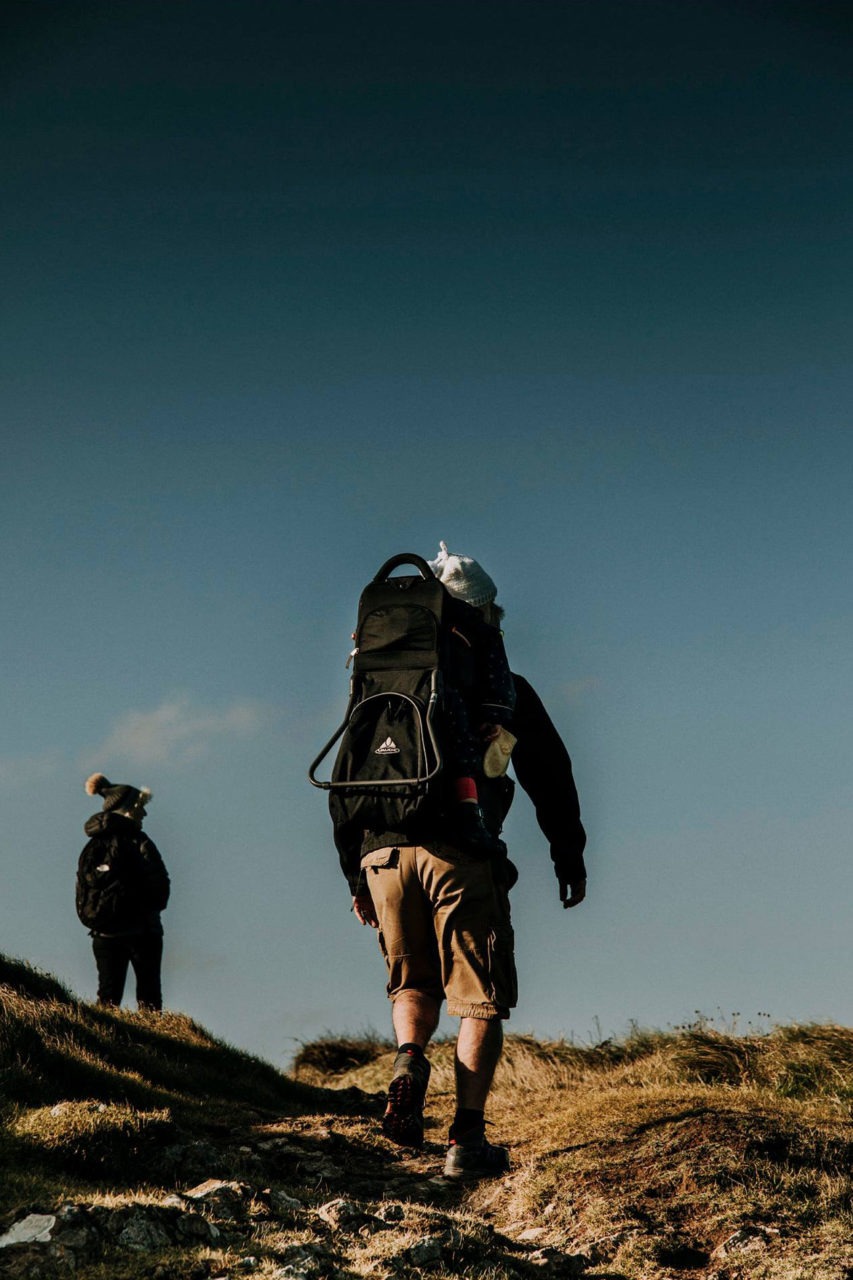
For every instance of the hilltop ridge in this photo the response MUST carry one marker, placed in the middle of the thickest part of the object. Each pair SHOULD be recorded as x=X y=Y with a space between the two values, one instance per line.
x=138 y=1146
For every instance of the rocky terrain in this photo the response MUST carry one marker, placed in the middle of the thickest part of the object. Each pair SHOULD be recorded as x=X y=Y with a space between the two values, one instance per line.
x=136 y=1145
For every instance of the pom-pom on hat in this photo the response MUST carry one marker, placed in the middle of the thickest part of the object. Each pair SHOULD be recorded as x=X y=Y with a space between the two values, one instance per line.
x=119 y=795
x=463 y=577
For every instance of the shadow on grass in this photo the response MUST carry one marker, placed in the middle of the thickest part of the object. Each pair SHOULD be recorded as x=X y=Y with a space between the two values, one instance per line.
x=57 y=1049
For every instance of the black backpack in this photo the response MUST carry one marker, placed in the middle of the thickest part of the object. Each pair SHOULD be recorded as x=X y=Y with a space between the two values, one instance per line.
x=387 y=772
x=112 y=893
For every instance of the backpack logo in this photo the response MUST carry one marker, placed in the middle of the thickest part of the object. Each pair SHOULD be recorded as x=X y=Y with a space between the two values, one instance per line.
x=388 y=748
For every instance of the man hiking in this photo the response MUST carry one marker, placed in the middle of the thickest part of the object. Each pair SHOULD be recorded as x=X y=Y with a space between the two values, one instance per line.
x=443 y=916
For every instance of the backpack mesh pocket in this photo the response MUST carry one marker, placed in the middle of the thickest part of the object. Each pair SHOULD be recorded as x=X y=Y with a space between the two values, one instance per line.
x=384 y=763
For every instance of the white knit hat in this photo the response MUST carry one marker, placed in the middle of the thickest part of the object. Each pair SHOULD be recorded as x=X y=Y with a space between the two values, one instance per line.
x=463 y=577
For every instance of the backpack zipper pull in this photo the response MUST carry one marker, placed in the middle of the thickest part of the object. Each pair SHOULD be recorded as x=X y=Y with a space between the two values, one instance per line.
x=350 y=658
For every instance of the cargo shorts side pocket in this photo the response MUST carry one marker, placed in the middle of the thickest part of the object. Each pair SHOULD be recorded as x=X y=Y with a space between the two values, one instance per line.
x=384 y=879
x=501 y=964
x=380 y=938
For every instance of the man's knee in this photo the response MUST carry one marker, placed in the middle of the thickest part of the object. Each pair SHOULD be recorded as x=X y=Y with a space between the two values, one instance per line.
x=407 y=985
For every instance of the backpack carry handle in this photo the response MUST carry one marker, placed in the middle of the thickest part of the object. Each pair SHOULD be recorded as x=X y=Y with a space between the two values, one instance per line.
x=405 y=557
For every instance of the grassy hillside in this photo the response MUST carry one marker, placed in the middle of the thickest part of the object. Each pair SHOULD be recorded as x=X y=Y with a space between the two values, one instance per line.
x=694 y=1153
x=689 y=1154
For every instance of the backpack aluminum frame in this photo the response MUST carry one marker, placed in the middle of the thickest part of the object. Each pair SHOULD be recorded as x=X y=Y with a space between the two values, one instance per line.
x=424 y=720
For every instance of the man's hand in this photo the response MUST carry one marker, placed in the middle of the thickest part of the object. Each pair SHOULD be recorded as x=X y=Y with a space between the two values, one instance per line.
x=365 y=912
x=572 y=894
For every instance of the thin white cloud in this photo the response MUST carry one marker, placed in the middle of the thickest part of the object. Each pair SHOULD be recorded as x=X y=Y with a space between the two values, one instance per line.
x=574 y=690
x=177 y=731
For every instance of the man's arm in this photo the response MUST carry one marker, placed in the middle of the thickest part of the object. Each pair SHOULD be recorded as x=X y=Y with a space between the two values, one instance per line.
x=156 y=883
x=544 y=769
x=348 y=845
x=349 y=853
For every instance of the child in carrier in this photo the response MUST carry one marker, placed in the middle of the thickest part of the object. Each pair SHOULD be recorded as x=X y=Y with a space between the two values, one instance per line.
x=478 y=738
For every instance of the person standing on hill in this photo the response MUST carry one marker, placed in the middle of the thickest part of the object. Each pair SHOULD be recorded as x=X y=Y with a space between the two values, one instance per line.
x=122 y=886
x=443 y=916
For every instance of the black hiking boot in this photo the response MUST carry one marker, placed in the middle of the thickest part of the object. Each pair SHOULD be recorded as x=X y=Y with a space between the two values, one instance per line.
x=403 y=1121
x=476 y=1157
x=472 y=835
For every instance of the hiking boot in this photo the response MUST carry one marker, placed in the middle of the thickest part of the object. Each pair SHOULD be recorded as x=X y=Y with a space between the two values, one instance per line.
x=475 y=1158
x=403 y=1121
x=471 y=834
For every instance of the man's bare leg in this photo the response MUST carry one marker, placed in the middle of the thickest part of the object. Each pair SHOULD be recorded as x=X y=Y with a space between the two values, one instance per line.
x=415 y=1018
x=478 y=1051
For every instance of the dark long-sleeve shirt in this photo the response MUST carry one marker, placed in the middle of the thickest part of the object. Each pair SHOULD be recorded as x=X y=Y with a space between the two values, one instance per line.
x=544 y=770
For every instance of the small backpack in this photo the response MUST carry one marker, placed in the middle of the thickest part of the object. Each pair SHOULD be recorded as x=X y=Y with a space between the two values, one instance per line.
x=387 y=771
x=110 y=886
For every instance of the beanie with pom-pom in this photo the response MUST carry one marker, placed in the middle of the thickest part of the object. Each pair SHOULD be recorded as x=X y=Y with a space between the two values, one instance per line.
x=463 y=577
x=119 y=795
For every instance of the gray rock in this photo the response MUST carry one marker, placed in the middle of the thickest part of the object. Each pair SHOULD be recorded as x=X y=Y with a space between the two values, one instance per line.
x=36 y=1228
x=283 y=1145
x=74 y=1227
x=282 y=1205
x=390 y=1213
x=302 y=1262
x=149 y=1226
x=426 y=1252
x=745 y=1240
x=341 y=1213
x=143 y=1234
x=195 y=1227
x=226 y=1200
x=71 y=1212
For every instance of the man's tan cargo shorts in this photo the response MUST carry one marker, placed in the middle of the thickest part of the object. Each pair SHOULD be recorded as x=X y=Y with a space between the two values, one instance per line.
x=444 y=929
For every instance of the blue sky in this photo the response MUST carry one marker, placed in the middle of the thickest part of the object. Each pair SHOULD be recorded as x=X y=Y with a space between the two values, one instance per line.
x=292 y=287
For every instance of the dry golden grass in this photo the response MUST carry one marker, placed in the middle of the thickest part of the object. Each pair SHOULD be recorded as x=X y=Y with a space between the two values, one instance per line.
x=695 y=1153
x=58 y=1048
x=649 y=1154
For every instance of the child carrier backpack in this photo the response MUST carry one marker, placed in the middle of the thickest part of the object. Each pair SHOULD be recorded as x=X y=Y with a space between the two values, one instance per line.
x=388 y=766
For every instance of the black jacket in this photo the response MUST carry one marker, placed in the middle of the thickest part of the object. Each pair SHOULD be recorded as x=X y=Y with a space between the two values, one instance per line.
x=543 y=768
x=116 y=841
